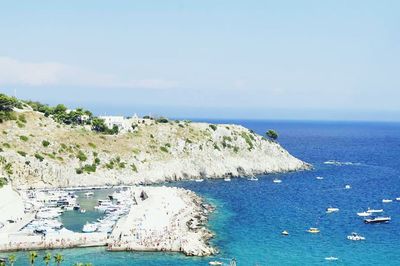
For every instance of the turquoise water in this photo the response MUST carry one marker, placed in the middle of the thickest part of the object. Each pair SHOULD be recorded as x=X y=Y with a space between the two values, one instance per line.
x=251 y=215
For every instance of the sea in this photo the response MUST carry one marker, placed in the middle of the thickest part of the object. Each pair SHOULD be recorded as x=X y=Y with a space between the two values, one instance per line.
x=250 y=216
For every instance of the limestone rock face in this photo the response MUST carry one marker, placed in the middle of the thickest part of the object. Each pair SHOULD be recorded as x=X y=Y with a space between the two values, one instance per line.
x=155 y=152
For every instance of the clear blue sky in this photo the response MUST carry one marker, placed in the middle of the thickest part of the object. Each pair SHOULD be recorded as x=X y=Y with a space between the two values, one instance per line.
x=212 y=59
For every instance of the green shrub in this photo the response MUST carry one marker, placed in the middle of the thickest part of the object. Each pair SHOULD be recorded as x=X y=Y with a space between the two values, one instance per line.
x=162 y=120
x=22 y=118
x=248 y=140
x=168 y=145
x=23 y=138
x=81 y=156
x=164 y=149
x=3 y=182
x=22 y=153
x=8 y=168
x=216 y=147
x=97 y=161
x=271 y=134
x=20 y=124
x=89 y=168
x=6 y=145
x=236 y=149
x=213 y=127
x=134 y=168
x=39 y=157
x=45 y=143
x=92 y=145
x=79 y=171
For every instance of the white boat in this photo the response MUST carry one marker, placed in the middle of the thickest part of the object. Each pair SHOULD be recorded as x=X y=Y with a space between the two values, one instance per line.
x=387 y=200
x=319 y=177
x=331 y=209
x=89 y=227
x=89 y=194
x=364 y=214
x=253 y=178
x=355 y=237
x=215 y=263
x=83 y=211
x=347 y=187
x=227 y=179
x=377 y=220
x=398 y=199
x=277 y=181
x=374 y=210
x=331 y=258
x=199 y=180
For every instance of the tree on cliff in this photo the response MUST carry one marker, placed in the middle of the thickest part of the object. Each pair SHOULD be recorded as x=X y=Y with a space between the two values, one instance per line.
x=271 y=134
x=8 y=103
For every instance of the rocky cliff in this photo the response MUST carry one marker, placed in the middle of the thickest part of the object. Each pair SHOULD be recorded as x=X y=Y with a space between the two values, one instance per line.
x=36 y=151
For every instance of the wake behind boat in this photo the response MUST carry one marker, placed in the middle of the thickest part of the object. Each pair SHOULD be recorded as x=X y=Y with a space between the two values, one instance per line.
x=364 y=214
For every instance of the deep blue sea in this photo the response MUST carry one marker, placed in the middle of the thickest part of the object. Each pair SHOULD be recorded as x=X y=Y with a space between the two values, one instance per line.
x=250 y=215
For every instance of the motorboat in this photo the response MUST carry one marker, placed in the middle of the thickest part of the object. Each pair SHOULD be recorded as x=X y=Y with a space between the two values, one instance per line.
x=285 y=233
x=364 y=214
x=355 y=237
x=398 y=199
x=374 y=210
x=319 y=177
x=253 y=178
x=88 y=194
x=331 y=258
x=331 y=210
x=313 y=230
x=199 y=180
x=215 y=262
x=376 y=220
x=347 y=187
x=83 y=211
x=77 y=207
x=277 y=181
x=387 y=200
x=90 y=227
x=227 y=179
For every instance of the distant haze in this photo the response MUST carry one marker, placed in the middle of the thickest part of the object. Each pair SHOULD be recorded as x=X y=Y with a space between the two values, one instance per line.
x=324 y=60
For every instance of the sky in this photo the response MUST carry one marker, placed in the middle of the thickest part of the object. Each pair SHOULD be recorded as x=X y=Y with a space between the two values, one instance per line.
x=318 y=60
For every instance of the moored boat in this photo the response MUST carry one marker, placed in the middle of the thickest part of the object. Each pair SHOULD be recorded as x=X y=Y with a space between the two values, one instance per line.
x=313 y=230
x=387 y=200
x=376 y=220
x=355 y=237
x=89 y=227
x=364 y=214
x=277 y=181
x=331 y=209
x=374 y=210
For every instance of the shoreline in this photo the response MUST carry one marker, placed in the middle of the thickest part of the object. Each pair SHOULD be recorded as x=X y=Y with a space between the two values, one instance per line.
x=185 y=220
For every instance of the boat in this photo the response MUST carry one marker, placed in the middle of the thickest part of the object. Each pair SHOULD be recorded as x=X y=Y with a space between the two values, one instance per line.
x=331 y=258
x=83 y=211
x=374 y=210
x=355 y=237
x=398 y=199
x=376 y=220
x=277 y=181
x=387 y=200
x=89 y=227
x=77 y=207
x=331 y=209
x=199 y=180
x=215 y=262
x=347 y=187
x=364 y=214
x=319 y=177
x=285 y=233
x=313 y=230
x=228 y=179
x=89 y=194
x=253 y=178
